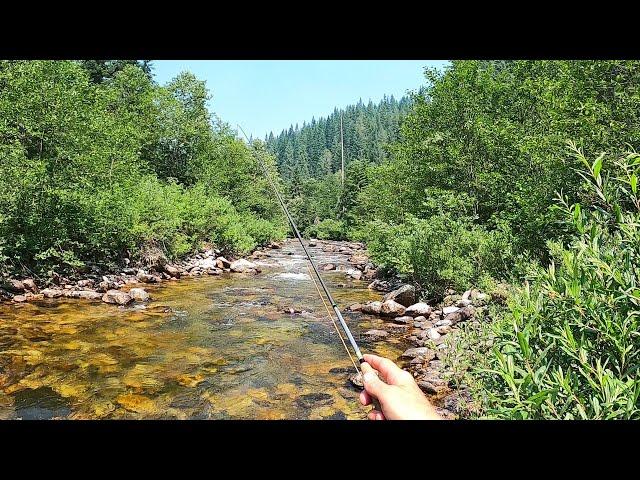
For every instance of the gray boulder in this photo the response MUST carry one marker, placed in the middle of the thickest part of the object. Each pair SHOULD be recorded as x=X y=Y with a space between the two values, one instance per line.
x=405 y=295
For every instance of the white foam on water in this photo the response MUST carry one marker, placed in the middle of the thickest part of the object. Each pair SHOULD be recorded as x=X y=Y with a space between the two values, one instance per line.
x=293 y=276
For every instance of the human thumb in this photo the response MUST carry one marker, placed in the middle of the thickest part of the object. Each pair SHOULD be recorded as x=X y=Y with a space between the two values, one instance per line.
x=372 y=383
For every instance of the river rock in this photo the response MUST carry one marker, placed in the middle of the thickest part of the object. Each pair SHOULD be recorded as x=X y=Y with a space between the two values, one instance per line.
x=30 y=285
x=358 y=259
x=85 y=283
x=19 y=298
x=139 y=294
x=328 y=266
x=424 y=352
x=354 y=273
x=448 y=310
x=433 y=334
x=375 y=335
x=244 y=266
x=147 y=278
x=222 y=262
x=355 y=307
x=275 y=245
x=173 y=271
x=117 y=297
x=460 y=315
x=372 y=308
x=391 y=308
x=466 y=295
x=418 y=309
x=312 y=243
x=443 y=330
x=356 y=379
x=463 y=303
x=380 y=285
x=405 y=295
x=84 y=294
x=51 y=293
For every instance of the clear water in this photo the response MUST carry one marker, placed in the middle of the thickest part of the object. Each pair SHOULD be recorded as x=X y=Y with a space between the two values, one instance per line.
x=203 y=348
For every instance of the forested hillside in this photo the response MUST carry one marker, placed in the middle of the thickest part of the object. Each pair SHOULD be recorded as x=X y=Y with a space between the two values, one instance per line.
x=313 y=150
x=99 y=164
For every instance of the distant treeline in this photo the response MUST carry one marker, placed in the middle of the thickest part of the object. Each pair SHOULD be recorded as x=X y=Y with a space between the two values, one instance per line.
x=314 y=149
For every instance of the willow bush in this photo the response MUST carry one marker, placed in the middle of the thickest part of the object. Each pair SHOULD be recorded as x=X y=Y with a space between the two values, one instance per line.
x=569 y=346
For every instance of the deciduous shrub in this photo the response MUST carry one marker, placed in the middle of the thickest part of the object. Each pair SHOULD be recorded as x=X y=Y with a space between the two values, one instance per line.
x=569 y=346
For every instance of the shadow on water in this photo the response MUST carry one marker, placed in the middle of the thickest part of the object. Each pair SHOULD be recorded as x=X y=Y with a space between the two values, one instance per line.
x=211 y=347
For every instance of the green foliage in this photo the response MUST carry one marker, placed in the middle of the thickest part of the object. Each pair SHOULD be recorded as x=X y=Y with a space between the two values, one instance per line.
x=569 y=346
x=94 y=171
x=439 y=252
x=326 y=229
x=493 y=134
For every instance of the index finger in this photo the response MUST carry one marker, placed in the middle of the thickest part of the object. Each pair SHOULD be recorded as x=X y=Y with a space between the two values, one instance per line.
x=389 y=370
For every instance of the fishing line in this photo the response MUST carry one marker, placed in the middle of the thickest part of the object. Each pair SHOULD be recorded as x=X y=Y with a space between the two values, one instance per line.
x=336 y=310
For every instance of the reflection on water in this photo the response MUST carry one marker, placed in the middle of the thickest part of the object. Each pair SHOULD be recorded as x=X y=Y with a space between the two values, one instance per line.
x=206 y=348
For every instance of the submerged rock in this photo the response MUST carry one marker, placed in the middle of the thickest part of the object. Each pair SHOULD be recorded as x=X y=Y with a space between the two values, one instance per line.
x=404 y=319
x=311 y=400
x=356 y=379
x=405 y=295
x=375 y=335
x=394 y=327
x=328 y=266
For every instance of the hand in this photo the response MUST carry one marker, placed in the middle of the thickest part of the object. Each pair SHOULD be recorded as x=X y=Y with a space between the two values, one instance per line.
x=398 y=395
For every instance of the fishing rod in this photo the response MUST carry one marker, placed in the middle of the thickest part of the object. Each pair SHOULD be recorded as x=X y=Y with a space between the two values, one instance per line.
x=333 y=303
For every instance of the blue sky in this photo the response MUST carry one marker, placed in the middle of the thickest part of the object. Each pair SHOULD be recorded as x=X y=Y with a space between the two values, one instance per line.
x=270 y=95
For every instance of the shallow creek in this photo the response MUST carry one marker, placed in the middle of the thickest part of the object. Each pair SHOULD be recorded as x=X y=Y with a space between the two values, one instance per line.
x=203 y=348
